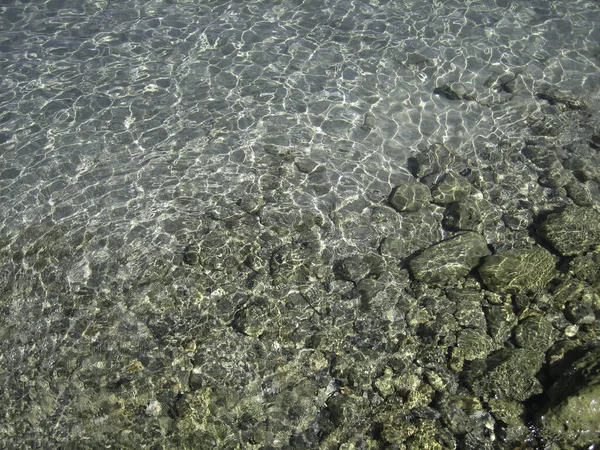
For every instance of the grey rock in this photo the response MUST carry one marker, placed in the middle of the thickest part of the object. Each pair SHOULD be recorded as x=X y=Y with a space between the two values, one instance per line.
x=219 y=250
x=191 y=254
x=572 y=231
x=436 y=159
x=453 y=187
x=555 y=176
x=579 y=313
x=453 y=92
x=518 y=219
x=545 y=126
x=519 y=270
x=471 y=213
x=595 y=139
x=569 y=290
x=411 y=196
x=295 y=261
x=543 y=155
x=583 y=164
x=564 y=101
x=586 y=267
x=356 y=267
x=306 y=165
x=449 y=260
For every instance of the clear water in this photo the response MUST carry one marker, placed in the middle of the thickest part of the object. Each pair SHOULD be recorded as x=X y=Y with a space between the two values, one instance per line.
x=130 y=128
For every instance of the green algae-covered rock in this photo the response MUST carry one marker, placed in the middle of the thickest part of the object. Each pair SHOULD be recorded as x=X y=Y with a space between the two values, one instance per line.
x=469 y=312
x=535 y=333
x=474 y=343
x=572 y=231
x=500 y=321
x=509 y=421
x=586 y=267
x=410 y=196
x=519 y=270
x=507 y=373
x=579 y=193
x=571 y=416
x=449 y=260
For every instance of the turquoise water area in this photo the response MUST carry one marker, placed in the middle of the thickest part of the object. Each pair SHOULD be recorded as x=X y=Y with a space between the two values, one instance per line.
x=197 y=246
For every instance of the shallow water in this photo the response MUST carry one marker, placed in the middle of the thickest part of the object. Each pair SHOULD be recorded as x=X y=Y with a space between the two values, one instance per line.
x=128 y=128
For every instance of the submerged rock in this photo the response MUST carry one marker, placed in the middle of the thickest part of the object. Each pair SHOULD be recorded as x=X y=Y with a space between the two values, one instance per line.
x=535 y=333
x=356 y=267
x=586 y=267
x=507 y=374
x=570 y=417
x=474 y=343
x=449 y=260
x=453 y=92
x=415 y=231
x=500 y=321
x=572 y=231
x=519 y=270
x=411 y=196
x=436 y=159
x=453 y=187
x=472 y=214
x=564 y=101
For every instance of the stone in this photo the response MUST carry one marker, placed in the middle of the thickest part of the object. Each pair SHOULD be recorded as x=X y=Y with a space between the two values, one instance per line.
x=296 y=261
x=411 y=196
x=535 y=333
x=564 y=101
x=356 y=267
x=518 y=271
x=570 y=415
x=579 y=193
x=586 y=267
x=500 y=321
x=191 y=254
x=435 y=159
x=573 y=231
x=545 y=125
x=508 y=374
x=453 y=92
x=543 y=154
x=449 y=260
x=555 y=176
x=475 y=343
x=472 y=213
x=579 y=313
x=453 y=187
x=415 y=231
x=469 y=313
x=582 y=163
